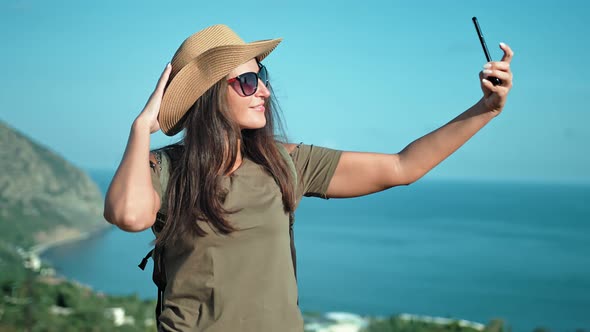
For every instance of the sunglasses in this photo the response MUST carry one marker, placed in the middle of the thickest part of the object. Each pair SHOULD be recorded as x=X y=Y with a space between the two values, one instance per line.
x=249 y=81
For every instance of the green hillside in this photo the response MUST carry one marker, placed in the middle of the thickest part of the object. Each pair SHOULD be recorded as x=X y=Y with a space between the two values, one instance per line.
x=46 y=200
x=43 y=198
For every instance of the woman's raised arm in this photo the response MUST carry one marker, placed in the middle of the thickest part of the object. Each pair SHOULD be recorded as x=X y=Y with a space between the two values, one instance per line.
x=361 y=173
x=131 y=202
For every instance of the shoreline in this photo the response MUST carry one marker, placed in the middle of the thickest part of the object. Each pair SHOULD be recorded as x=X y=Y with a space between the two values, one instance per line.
x=513 y=321
x=40 y=248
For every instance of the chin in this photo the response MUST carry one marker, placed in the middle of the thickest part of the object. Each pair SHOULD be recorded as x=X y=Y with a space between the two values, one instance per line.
x=253 y=125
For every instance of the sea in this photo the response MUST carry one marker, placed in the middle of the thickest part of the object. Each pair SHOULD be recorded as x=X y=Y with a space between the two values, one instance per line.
x=474 y=250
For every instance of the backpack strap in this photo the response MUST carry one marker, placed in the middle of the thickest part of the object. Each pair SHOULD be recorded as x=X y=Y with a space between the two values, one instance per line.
x=159 y=273
x=161 y=167
x=159 y=162
x=163 y=161
x=145 y=260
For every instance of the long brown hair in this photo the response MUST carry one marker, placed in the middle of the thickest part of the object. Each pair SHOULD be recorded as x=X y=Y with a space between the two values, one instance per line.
x=207 y=152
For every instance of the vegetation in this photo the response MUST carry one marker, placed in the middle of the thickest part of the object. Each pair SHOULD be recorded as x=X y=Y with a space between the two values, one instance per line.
x=396 y=324
x=44 y=199
x=30 y=301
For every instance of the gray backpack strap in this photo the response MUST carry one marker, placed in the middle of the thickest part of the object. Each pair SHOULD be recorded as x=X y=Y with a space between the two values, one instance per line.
x=157 y=253
x=163 y=161
x=159 y=273
x=162 y=164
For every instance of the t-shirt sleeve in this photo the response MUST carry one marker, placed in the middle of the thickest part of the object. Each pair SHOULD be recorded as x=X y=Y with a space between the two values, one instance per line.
x=315 y=167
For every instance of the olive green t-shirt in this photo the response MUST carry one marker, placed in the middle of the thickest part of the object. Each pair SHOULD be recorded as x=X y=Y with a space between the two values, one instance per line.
x=243 y=281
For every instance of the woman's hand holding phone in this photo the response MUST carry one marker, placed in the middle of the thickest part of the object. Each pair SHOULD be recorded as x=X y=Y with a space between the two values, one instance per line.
x=494 y=96
x=496 y=76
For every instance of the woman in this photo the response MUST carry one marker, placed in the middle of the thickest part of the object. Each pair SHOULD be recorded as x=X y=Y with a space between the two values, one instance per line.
x=231 y=189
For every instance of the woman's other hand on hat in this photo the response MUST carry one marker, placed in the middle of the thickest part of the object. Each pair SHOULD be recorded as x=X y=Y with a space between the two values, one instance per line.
x=494 y=96
x=150 y=112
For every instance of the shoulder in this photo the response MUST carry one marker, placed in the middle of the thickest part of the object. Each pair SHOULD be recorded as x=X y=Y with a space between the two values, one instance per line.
x=171 y=153
x=291 y=146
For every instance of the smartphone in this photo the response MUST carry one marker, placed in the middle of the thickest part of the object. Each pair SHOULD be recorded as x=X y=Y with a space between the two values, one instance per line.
x=494 y=80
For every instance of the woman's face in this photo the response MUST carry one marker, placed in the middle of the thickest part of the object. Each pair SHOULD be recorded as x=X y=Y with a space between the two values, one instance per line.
x=248 y=111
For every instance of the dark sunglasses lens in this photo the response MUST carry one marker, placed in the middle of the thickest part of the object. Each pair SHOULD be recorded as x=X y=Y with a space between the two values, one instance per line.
x=249 y=83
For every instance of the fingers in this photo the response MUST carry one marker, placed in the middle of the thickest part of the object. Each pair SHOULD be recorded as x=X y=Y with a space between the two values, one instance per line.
x=163 y=79
x=495 y=95
x=488 y=85
x=508 y=53
x=155 y=99
x=498 y=69
x=497 y=65
x=503 y=75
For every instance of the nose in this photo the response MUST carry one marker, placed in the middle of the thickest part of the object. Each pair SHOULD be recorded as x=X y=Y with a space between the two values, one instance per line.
x=262 y=90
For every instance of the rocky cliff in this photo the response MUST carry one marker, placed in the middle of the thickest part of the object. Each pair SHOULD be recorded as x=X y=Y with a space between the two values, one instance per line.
x=43 y=198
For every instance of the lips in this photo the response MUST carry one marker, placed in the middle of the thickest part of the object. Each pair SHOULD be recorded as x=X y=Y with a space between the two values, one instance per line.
x=258 y=108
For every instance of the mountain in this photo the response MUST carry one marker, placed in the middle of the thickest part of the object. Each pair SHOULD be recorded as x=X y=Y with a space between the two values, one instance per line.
x=46 y=200
x=43 y=198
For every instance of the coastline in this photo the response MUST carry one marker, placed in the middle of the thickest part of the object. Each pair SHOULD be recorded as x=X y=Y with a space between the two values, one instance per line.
x=314 y=322
x=546 y=226
x=40 y=248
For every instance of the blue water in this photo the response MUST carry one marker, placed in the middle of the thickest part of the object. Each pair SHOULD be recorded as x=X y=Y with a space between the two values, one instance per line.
x=466 y=250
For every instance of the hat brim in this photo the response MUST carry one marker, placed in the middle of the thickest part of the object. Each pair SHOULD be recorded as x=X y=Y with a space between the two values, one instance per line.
x=200 y=74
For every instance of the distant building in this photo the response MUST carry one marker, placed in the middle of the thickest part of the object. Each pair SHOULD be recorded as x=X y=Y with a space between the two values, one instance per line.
x=32 y=262
x=118 y=316
x=60 y=311
x=442 y=321
x=336 y=322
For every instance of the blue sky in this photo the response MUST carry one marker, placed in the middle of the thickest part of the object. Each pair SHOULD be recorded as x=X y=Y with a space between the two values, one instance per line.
x=352 y=75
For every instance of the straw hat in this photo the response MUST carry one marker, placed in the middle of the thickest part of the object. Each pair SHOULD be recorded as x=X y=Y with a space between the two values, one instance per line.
x=201 y=60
